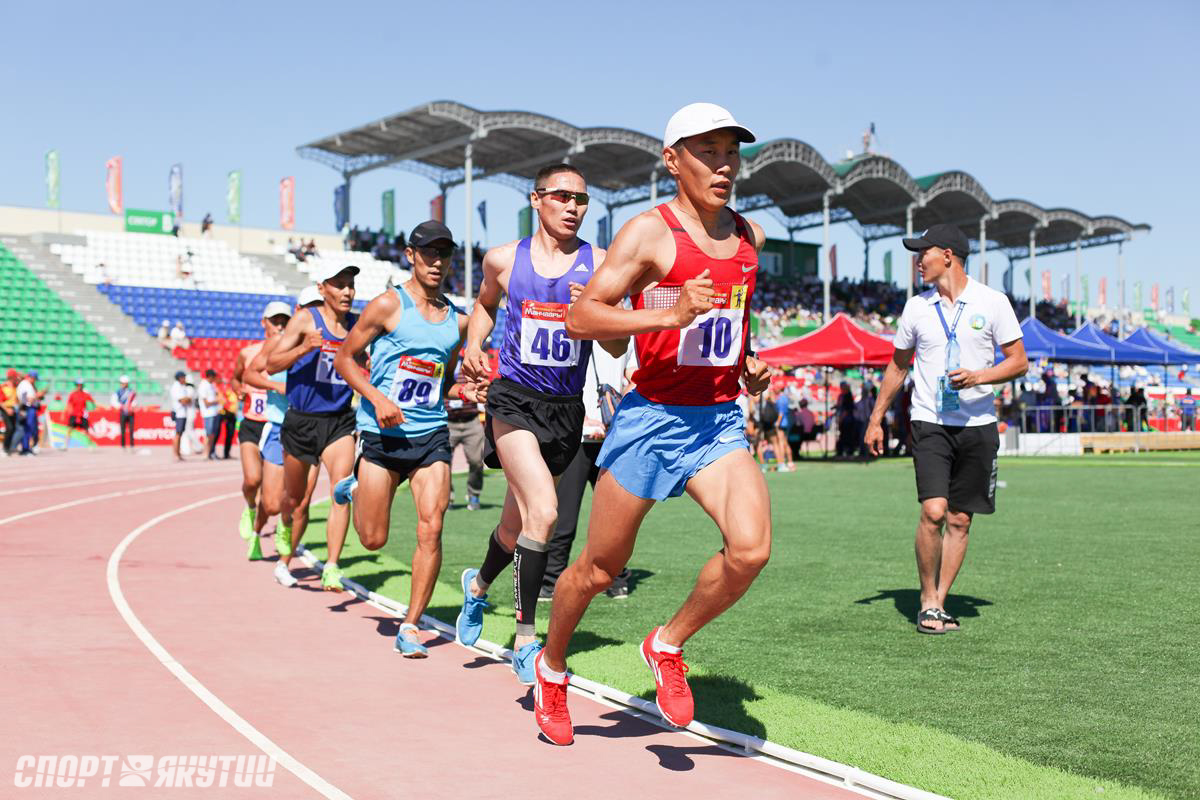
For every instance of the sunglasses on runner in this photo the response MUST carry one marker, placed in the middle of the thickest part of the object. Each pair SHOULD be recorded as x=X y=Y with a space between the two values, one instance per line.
x=564 y=197
x=441 y=252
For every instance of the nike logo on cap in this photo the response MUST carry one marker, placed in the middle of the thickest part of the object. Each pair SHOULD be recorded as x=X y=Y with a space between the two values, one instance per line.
x=719 y=119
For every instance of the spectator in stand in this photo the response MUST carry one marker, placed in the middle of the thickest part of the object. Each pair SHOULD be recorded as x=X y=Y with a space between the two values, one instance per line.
x=1187 y=411
x=179 y=337
x=862 y=414
x=29 y=403
x=210 y=410
x=77 y=407
x=206 y=225
x=181 y=409
x=310 y=249
x=164 y=334
x=8 y=408
x=228 y=419
x=123 y=400
x=805 y=422
x=847 y=437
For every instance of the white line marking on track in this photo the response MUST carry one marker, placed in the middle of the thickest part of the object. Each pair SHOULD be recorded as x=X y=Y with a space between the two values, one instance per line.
x=223 y=711
x=69 y=485
x=108 y=496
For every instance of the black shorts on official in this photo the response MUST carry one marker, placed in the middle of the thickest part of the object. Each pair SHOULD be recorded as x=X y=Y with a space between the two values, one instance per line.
x=556 y=421
x=250 y=431
x=305 y=435
x=404 y=455
x=180 y=424
x=957 y=463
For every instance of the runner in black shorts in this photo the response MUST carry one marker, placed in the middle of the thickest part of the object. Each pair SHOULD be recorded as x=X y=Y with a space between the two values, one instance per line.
x=319 y=425
x=953 y=330
x=555 y=420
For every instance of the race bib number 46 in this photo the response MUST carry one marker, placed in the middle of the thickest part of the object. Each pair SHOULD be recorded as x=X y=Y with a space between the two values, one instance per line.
x=417 y=383
x=714 y=339
x=325 y=371
x=544 y=340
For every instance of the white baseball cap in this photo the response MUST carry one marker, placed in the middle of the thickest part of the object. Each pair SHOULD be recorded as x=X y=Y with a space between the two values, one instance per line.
x=309 y=294
x=701 y=118
x=328 y=269
x=276 y=307
x=123 y=379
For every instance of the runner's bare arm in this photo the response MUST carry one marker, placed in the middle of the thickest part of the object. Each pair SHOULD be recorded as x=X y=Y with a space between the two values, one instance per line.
x=239 y=366
x=299 y=338
x=636 y=258
x=371 y=324
x=497 y=264
x=614 y=347
x=255 y=377
x=893 y=379
x=473 y=391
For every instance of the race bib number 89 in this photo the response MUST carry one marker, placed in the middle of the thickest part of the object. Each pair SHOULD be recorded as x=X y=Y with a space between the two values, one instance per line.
x=416 y=384
x=714 y=339
x=544 y=340
x=325 y=371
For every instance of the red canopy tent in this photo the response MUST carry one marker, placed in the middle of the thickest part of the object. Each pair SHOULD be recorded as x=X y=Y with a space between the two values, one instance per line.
x=838 y=343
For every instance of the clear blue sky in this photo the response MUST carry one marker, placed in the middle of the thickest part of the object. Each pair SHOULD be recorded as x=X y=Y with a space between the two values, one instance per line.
x=1088 y=105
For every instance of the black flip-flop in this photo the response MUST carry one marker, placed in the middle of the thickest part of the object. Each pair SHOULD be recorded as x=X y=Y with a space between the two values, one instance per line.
x=930 y=615
x=949 y=620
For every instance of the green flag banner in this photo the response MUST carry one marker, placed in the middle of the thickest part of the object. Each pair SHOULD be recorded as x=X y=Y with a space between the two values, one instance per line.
x=1137 y=296
x=389 y=213
x=887 y=267
x=233 y=197
x=525 y=222
x=1085 y=294
x=52 y=178
x=1187 y=306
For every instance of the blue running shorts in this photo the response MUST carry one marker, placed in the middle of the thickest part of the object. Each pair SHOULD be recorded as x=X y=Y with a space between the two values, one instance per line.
x=653 y=450
x=270 y=446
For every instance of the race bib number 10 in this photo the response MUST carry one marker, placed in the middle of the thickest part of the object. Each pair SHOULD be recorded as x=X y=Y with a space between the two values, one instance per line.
x=714 y=339
x=544 y=340
x=325 y=371
x=417 y=383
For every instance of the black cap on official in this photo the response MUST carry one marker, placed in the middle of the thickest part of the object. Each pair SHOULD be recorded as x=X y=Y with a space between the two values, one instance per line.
x=949 y=237
x=429 y=232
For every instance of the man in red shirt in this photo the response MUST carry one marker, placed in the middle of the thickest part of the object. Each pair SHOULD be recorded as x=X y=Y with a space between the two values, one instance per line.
x=77 y=407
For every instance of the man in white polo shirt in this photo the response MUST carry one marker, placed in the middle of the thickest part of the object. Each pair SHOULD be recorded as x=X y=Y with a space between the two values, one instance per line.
x=953 y=331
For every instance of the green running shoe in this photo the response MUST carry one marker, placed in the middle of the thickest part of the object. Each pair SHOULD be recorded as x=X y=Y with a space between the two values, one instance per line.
x=255 y=552
x=283 y=540
x=331 y=578
x=246 y=524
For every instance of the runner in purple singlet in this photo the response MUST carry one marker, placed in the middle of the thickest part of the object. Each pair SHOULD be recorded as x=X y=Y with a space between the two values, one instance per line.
x=535 y=407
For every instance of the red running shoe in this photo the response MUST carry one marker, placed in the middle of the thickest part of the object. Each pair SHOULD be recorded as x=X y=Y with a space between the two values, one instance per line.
x=672 y=694
x=550 y=707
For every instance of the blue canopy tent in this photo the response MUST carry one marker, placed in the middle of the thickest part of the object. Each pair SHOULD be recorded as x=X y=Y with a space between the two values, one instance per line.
x=1043 y=342
x=1120 y=352
x=1171 y=352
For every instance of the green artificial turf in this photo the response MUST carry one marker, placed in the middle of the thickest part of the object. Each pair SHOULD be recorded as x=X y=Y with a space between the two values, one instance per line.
x=1075 y=674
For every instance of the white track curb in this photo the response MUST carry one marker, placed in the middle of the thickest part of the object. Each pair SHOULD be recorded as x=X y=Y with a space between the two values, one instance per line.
x=822 y=769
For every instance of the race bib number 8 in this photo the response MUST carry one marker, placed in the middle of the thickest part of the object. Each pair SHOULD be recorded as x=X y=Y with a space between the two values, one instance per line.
x=714 y=339
x=416 y=384
x=325 y=371
x=258 y=403
x=544 y=340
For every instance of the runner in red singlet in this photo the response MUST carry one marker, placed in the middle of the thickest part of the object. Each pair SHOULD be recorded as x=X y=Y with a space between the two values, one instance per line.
x=690 y=267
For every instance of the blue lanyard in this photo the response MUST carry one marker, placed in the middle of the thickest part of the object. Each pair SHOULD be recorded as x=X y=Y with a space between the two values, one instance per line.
x=949 y=329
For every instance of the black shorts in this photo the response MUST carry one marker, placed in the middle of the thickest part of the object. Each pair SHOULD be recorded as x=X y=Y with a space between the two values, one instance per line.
x=404 y=455
x=556 y=421
x=250 y=431
x=305 y=435
x=81 y=423
x=957 y=463
x=180 y=424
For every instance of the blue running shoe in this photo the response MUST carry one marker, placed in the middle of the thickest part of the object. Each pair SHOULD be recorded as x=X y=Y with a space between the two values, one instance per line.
x=469 y=624
x=523 y=663
x=409 y=645
x=343 y=493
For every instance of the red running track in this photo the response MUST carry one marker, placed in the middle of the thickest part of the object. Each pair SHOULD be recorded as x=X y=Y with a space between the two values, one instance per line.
x=313 y=673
